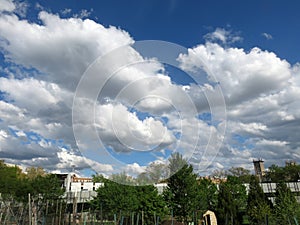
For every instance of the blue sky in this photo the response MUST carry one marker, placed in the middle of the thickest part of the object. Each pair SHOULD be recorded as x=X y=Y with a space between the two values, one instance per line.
x=185 y=23
x=245 y=53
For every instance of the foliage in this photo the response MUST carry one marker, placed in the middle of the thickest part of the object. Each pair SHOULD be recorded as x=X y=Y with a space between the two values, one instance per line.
x=12 y=182
x=240 y=172
x=123 y=200
x=151 y=203
x=176 y=162
x=98 y=178
x=114 y=197
x=46 y=187
x=181 y=193
x=17 y=185
x=231 y=201
x=34 y=172
x=122 y=178
x=206 y=195
x=286 y=206
x=219 y=173
x=289 y=173
x=155 y=173
x=258 y=205
x=143 y=179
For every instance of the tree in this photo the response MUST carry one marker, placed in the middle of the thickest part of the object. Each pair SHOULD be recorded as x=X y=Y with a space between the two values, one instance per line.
x=12 y=182
x=289 y=173
x=128 y=200
x=219 y=173
x=34 y=172
x=231 y=201
x=143 y=179
x=116 y=199
x=207 y=195
x=98 y=178
x=286 y=206
x=150 y=203
x=225 y=209
x=275 y=174
x=176 y=162
x=122 y=178
x=240 y=172
x=15 y=186
x=258 y=205
x=47 y=187
x=155 y=173
x=181 y=193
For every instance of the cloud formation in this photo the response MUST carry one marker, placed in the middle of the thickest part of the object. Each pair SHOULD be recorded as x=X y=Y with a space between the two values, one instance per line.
x=267 y=36
x=223 y=36
x=260 y=91
x=139 y=107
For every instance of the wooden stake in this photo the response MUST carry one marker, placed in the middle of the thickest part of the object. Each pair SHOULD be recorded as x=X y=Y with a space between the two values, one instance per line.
x=29 y=210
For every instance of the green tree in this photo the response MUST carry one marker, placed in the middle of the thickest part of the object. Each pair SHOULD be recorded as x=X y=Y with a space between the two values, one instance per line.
x=258 y=205
x=34 y=172
x=115 y=199
x=181 y=192
x=206 y=195
x=150 y=203
x=127 y=200
x=12 y=182
x=286 y=207
x=155 y=173
x=232 y=199
x=240 y=172
x=98 y=178
x=15 y=186
x=46 y=187
x=275 y=174
x=176 y=162
x=122 y=178
x=143 y=179
x=291 y=172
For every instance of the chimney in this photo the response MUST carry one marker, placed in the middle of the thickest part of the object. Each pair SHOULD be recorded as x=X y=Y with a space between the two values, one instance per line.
x=259 y=169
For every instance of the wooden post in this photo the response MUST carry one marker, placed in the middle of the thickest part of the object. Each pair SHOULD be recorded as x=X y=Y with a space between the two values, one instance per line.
x=267 y=219
x=29 y=210
x=56 y=212
x=101 y=212
x=59 y=215
x=137 y=219
x=132 y=218
x=296 y=221
x=74 y=209
x=115 y=219
x=172 y=216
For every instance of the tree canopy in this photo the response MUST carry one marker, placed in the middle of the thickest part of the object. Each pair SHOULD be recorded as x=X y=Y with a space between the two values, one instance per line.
x=231 y=201
x=16 y=184
x=286 y=207
x=128 y=201
x=181 y=193
x=258 y=205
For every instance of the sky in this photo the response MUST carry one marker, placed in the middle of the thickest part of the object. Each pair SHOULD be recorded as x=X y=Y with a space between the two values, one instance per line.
x=112 y=86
